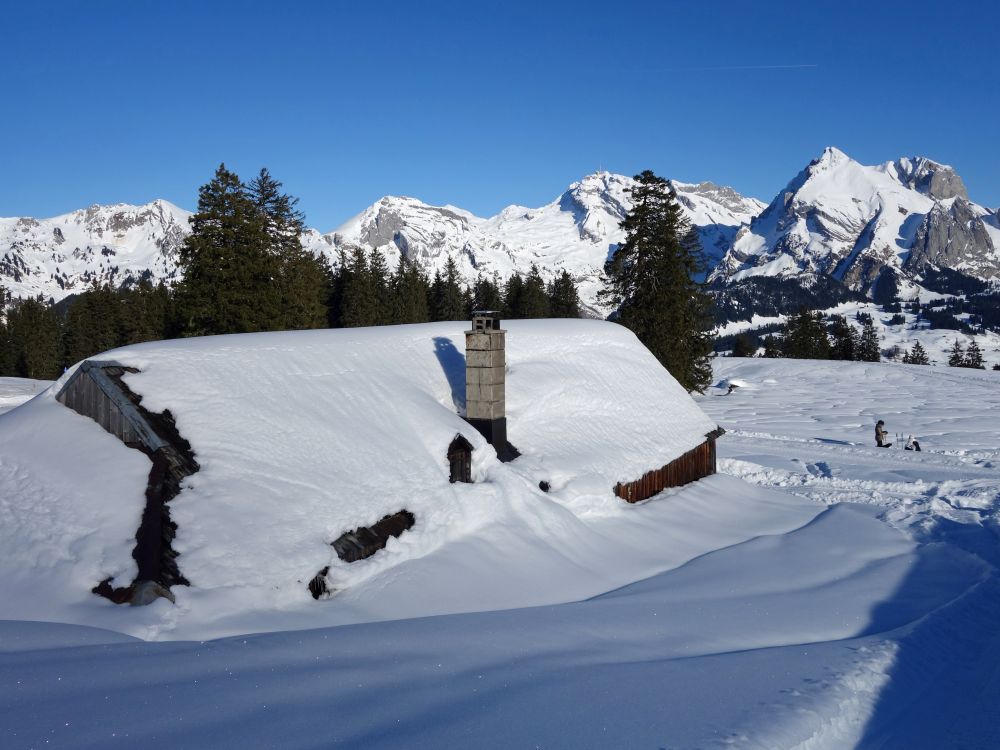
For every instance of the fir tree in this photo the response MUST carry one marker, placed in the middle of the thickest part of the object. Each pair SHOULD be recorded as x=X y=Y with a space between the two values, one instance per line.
x=742 y=347
x=409 y=290
x=146 y=313
x=771 y=348
x=845 y=339
x=868 y=345
x=358 y=304
x=447 y=302
x=805 y=337
x=302 y=278
x=338 y=282
x=486 y=294
x=564 y=300
x=651 y=282
x=534 y=299
x=956 y=356
x=305 y=289
x=918 y=355
x=230 y=273
x=378 y=271
x=974 y=356
x=244 y=267
x=513 y=294
x=93 y=323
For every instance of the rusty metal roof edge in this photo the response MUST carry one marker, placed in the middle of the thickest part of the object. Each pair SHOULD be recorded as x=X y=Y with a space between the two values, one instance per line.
x=95 y=368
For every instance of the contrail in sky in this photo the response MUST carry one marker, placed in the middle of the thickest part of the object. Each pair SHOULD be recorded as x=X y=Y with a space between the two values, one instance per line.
x=754 y=67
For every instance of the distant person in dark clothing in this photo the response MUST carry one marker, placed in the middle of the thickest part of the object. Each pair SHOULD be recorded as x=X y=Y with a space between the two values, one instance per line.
x=911 y=444
x=880 y=435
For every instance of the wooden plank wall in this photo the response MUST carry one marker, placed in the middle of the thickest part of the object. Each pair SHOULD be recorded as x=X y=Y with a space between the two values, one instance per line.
x=84 y=396
x=696 y=463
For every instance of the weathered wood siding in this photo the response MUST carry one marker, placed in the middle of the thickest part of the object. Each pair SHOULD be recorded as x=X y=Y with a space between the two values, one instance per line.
x=94 y=392
x=85 y=397
x=696 y=463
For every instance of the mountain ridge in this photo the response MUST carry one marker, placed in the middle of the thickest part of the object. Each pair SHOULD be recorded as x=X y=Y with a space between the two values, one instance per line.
x=869 y=230
x=575 y=232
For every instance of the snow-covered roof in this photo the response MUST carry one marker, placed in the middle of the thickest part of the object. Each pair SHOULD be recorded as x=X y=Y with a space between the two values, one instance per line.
x=302 y=436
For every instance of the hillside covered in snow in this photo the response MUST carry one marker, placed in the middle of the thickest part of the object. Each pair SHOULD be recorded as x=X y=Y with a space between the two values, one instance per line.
x=819 y=592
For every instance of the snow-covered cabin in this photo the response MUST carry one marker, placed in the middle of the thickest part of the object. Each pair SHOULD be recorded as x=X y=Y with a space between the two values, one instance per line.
x=303 y=437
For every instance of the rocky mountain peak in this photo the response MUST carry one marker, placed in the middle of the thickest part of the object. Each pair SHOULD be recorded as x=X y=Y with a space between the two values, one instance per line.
x=952 y=236
x=937 y=181
x=855 y=223
x=831 y=158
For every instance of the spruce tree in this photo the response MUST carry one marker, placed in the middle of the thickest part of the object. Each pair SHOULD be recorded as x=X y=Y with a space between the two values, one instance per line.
x=231 y=276
x=771 y=348
x=486 y=294
x=338 y=282
x=93 y=323
x=408 y=292
x=447 y=302
x=956 y=356
x=868 y=346
x=564 y=300
x=805 y=337
x=534 y=298
x=742 y=347
x=379 y=273
x=145 y=313
x=302 y=278
x=651 y=281
x=305 y=288
x=974 y=356
x=513 y=297
x=358 y=304
x=845 y=339
x=918 y=355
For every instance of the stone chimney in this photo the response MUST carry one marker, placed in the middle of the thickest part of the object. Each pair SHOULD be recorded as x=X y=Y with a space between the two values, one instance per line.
x=484 y=381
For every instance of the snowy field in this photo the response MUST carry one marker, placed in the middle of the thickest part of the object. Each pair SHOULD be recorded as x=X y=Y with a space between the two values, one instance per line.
x=819 y=593
x=15 y=391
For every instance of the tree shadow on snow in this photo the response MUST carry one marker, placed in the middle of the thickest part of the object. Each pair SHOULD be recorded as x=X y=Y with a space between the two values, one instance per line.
x=951 y=607
x=453 y=363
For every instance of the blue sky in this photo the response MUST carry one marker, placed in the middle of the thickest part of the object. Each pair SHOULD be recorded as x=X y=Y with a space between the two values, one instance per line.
x=481 y=104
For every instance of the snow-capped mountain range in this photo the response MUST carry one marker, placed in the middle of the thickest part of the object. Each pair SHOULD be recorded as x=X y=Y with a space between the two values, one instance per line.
x=857 y=224
x=65 y=254
x=836 y=218
x=576 y=232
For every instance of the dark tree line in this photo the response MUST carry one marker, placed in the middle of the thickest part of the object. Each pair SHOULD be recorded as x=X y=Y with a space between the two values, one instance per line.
x=805 y=335
x=364 y=293
x=244 y=269
x=37 y=341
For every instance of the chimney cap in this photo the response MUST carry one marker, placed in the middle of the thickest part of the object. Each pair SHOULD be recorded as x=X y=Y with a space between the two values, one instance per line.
x=485 y=320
